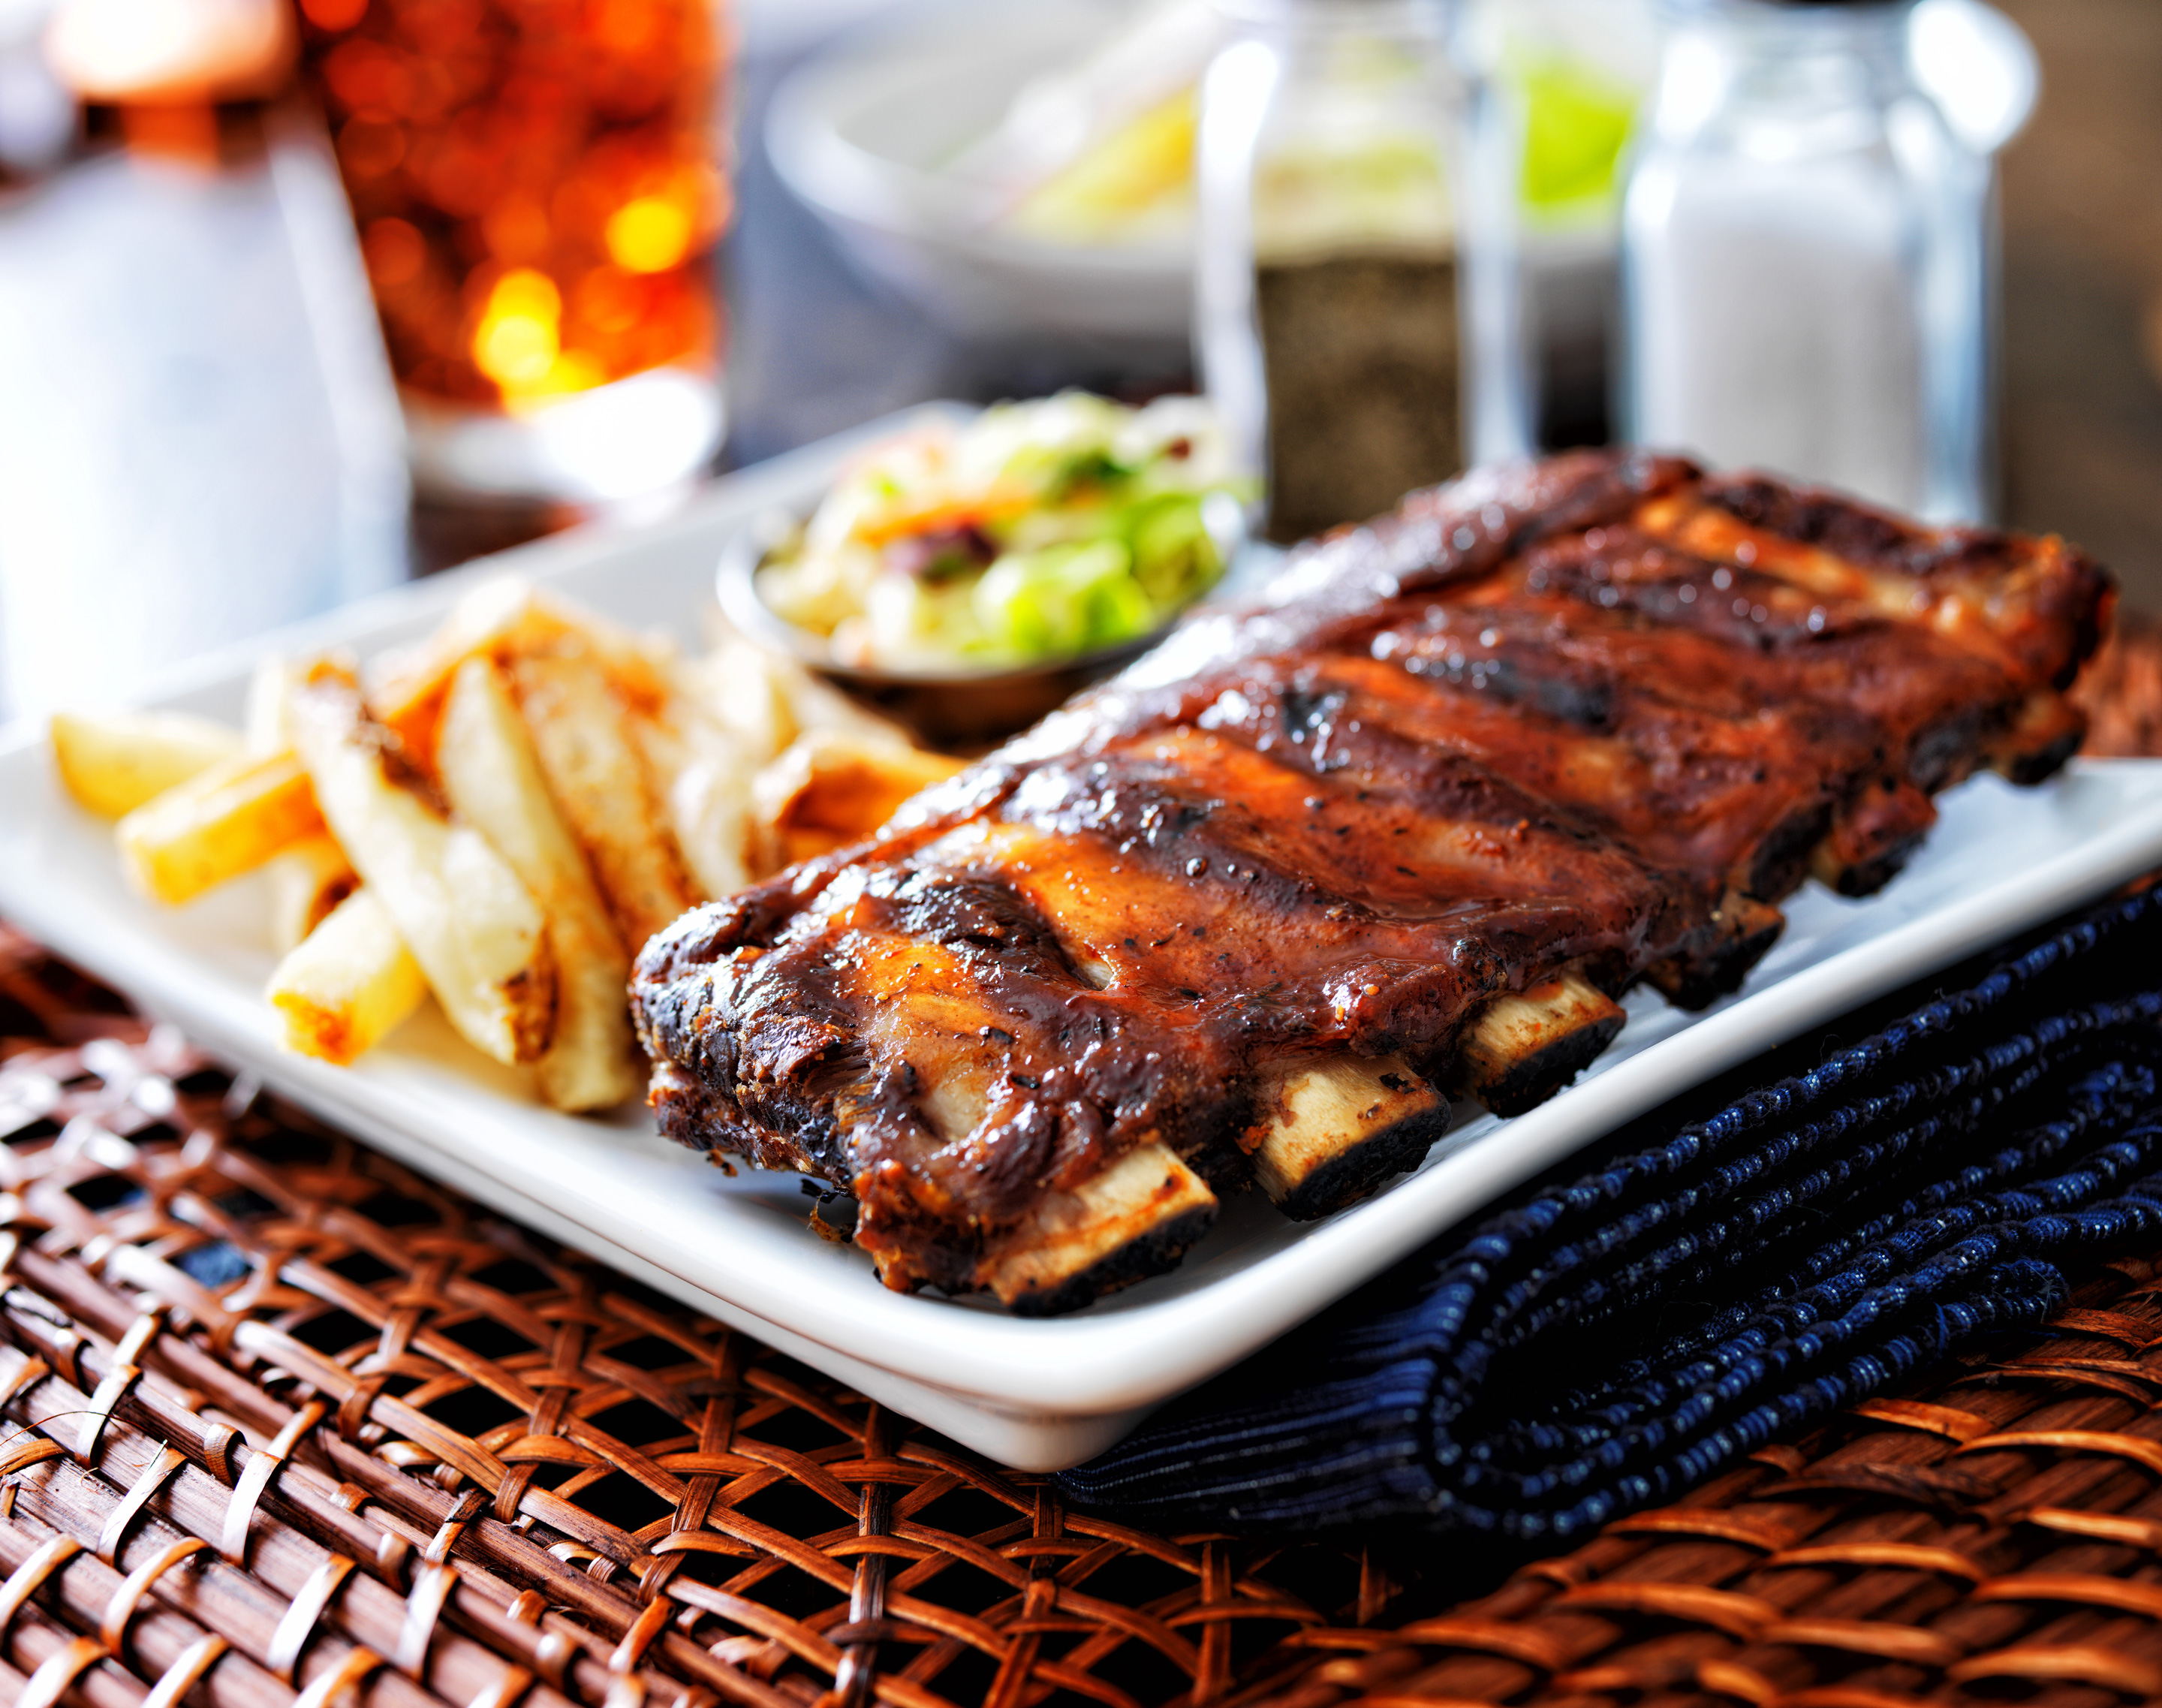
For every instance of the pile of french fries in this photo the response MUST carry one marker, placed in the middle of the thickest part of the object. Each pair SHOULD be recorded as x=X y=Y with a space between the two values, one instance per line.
x=501 y=815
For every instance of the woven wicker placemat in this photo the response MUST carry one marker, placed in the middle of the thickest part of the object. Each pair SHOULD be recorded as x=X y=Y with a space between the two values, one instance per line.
x=285 y=1421
x=1991 y=1538
x=280 y=1409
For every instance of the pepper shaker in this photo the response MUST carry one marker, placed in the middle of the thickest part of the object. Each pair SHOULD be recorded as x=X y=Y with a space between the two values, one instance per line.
x=1327 y=320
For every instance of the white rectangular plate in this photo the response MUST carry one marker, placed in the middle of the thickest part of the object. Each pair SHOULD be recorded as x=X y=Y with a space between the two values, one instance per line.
x=1037 y=1394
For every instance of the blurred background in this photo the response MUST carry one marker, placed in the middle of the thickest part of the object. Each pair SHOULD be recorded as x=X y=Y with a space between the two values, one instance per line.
x=2083 y=289
x=298 y=301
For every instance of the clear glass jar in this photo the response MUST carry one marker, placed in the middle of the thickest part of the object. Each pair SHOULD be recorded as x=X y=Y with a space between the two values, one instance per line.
x=1556 y=90
x=1326 y=318
x=1806 y=259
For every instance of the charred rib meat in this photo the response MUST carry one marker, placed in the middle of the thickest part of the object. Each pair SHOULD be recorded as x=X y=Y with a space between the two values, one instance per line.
x=1404 y=825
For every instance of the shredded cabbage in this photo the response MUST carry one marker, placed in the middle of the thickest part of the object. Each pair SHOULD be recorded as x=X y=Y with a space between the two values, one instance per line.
x=1039 y=529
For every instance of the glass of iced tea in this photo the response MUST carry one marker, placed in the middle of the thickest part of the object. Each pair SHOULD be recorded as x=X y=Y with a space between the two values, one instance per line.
x=538 y=188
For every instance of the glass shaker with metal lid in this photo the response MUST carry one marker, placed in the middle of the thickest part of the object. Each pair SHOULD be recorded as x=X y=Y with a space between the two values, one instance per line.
x=1326 y=313
x=1806 y=257
x=1557 y=87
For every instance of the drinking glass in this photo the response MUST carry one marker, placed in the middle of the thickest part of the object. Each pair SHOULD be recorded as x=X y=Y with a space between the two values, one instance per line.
x=538 y=187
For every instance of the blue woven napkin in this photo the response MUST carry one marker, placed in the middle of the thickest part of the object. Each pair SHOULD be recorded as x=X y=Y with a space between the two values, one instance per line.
x=1721 y=1273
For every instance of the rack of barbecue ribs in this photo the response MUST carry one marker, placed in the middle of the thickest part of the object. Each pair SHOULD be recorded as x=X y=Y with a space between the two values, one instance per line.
x=1398 y=831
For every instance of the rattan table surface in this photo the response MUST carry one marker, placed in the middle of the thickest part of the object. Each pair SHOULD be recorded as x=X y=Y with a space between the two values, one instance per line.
x=286 y=1421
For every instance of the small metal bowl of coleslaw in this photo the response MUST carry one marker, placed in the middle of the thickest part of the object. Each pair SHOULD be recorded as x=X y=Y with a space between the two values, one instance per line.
x=967 y=578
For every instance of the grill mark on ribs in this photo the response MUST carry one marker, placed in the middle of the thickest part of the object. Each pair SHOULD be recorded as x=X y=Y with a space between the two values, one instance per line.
x=1531 y=739
x=1192 y=869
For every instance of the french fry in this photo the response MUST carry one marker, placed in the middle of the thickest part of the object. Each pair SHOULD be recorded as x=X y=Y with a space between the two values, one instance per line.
x=709 y=807
x=598 y=781
x=222 y=821
x=832 y=770
x=475 y=929
x=766 y=700
x=312 y=876
x=275 y=678
x=307 y=881
x=113 y=764
x=833 y=788
x=485 y=758
x=739 y=686
x=708 y=794
x=405 y=686
x=818 y=705
x=500 y=619
x=348 y=984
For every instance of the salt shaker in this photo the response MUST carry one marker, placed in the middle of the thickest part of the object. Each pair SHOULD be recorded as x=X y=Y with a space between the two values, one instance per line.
x=1806 y=258
x=1326 y=317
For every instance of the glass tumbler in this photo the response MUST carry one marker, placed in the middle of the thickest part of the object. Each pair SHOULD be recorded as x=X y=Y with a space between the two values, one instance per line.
x=538 y=188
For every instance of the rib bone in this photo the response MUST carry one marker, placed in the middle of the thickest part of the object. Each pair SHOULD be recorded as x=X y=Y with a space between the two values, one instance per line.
x=1525 y=1046
x=1134 y=1219
x=1339 y=1128
x=1541 y=720
x=2045 y=731
x=1872 y=837
x=1744 y=931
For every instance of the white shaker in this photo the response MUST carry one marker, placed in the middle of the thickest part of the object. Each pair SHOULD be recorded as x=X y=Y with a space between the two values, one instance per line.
x=1807 y=258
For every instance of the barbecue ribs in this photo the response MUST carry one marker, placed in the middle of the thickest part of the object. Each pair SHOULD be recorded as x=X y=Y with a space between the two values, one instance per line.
x=1404 y=826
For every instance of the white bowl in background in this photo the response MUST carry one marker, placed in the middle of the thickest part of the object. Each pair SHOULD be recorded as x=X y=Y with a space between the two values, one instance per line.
x=861 y=133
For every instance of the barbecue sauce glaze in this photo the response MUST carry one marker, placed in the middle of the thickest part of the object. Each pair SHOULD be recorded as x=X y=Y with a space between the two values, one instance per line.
x=1553 y=716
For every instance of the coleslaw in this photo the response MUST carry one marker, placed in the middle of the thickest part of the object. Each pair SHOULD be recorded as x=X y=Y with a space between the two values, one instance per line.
x=1037 y=530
